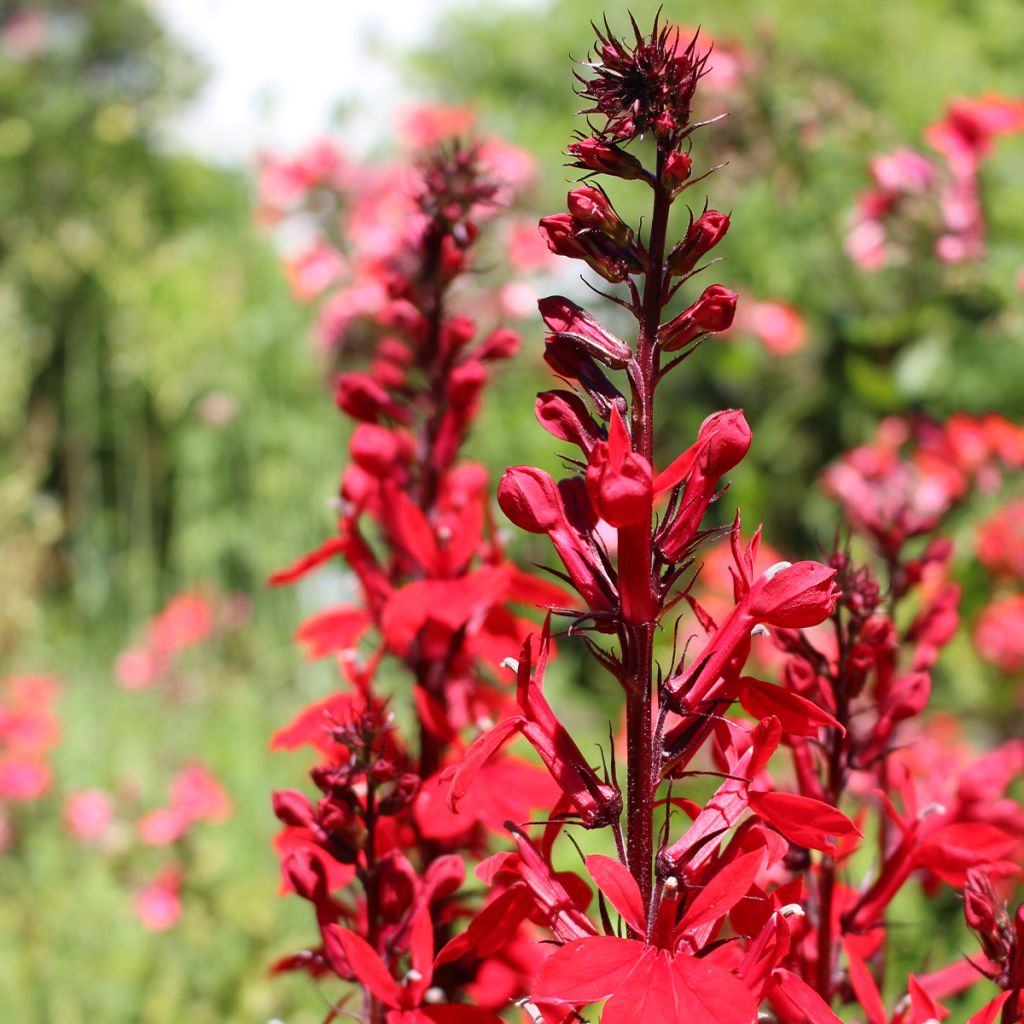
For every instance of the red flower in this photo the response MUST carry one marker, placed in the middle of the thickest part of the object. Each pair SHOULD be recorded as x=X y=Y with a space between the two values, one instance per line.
x=596 y=802
x=643 y=982
x=619 y=481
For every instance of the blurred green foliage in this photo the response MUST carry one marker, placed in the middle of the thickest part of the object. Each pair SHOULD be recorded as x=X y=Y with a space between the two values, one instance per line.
x=154 y=367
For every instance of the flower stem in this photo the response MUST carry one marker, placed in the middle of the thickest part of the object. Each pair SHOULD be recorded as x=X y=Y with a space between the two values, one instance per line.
x=637 y=639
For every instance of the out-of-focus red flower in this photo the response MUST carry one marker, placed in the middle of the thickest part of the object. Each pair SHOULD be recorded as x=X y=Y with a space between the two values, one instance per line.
x=139 y=667
x=999 y=633
x=158 y=903
x=29 y=729
x=184 y=621
x=196 y=796
x=23 y=778
x=779 y=327
x=965 y=135
x=88 y=814
x=313 y=270
x=282 y=183
x=24 y=34
x=1000 y=541
x=422 y=127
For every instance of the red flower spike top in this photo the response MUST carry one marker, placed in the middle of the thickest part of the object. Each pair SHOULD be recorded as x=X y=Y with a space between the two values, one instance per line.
x=625 y=534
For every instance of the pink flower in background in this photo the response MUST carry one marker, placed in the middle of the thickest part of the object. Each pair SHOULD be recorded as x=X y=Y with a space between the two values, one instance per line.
x=313 y=270
x=24 y=35
x=427 y=126
x=779 y=327
x=1000 y=541
x=196 y=793
x=964 y=137
x=196 y=796
x=518 y=299
x=88 y=814
x=29 y=729
x=139 y=667
x=217 y=408
x=23 y=778
x=184 y=621
x=158 y=904
x=526 y=249
x=999 y=634
x=282 y=183
x=968 y=131
x=865 y=244
x=163 y=827
x=724 y=71
x=901 y=171
x=513 y=167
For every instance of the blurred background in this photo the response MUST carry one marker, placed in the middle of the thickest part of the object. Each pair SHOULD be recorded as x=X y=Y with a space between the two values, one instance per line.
x=167 y=437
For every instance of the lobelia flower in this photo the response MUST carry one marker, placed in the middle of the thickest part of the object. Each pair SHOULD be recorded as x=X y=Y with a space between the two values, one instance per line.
x=376 y=854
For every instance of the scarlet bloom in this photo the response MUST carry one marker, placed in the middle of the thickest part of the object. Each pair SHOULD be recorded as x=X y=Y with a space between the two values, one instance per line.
x=408 y=1002
x=642 y=982
x=619 y=481
x=158 y=903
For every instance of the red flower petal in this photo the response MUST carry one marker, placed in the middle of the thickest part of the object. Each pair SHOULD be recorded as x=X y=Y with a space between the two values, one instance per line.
x=802 y=819
x=588 y=970
x=620 y=888
x=367 y=965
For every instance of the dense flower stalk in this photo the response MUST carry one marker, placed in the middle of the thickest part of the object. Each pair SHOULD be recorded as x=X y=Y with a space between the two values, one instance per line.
x=377 y=854
x=747 y=908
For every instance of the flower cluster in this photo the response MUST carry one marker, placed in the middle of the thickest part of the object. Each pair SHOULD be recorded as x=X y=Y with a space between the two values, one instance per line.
x=912 y=193
x=751 y=903
x=187 y=620
x=351 y=226
x=999 y=631
x=378 y=855
x=742 y=839
x=906 y=481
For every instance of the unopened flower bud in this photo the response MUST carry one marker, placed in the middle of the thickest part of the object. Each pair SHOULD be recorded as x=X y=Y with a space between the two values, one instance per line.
x=590 y=206
x=711 y=313
x=567 y=320
x=677 y=169
x=530 y=499
x=704 y=234
x=612 y=261
x=599 y=155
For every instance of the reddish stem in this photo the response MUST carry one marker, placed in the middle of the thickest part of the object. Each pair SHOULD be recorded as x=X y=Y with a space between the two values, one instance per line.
x=637 y=639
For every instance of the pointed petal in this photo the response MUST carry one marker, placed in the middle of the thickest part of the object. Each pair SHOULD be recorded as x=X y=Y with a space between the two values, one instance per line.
x=367 y=965
x=476 y=756
x=793 y=995
x=587 y=970
x=336 y=629
x=708 y=994
x=723 y=891
x=802 y=819
x=797 y=715
x=620 y=888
